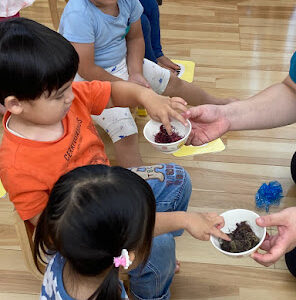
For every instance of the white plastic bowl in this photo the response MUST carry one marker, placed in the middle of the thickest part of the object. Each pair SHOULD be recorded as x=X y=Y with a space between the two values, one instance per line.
x=231 y=217
x=152 y=128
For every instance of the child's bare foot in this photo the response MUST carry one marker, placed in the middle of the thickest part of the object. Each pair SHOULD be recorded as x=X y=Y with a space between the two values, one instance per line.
x=165 y=62
x=177 y=269
x=2 y=109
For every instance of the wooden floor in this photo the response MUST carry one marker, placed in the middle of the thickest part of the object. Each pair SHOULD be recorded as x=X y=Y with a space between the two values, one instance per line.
x=240 y=47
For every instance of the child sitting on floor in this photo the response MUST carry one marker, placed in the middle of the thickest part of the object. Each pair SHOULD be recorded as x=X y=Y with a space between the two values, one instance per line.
x=95 y=226
x=48 y=131
x=108 y=38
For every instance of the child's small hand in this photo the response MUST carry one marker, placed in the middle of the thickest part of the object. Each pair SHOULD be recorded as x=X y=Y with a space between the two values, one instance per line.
x=202 y=225
x=139 y=79
x=162 y=109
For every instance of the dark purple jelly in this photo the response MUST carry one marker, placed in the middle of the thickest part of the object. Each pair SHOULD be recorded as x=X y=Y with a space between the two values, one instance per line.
x=163 y=137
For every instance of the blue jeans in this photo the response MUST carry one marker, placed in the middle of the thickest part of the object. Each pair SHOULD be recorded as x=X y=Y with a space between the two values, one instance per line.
x=172 y=188
x=151 y=30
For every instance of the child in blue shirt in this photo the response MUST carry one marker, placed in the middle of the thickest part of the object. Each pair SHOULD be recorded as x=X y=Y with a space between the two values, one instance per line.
x=108 y=38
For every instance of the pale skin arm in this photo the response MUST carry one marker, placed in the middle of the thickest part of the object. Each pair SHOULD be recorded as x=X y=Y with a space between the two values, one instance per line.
x=199 y=225
x=135 y=54
x=87 y=67
x=273 y=107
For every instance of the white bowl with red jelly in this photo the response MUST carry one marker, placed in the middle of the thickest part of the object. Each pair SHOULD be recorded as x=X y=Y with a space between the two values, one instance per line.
x=159 y=139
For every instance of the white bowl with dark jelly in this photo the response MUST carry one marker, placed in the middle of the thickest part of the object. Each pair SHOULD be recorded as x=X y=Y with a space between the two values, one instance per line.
x=153 y=127
x=231 y=218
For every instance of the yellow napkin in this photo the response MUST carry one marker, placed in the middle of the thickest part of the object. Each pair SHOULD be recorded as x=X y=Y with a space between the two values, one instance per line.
x=214 y=146
x=187 y=69
x=2 y=191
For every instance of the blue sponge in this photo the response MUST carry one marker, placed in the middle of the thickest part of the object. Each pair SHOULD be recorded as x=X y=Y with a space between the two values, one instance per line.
x=269 y=194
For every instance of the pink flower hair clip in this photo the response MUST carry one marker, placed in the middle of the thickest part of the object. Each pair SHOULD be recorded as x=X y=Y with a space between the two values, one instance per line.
x=122 y=260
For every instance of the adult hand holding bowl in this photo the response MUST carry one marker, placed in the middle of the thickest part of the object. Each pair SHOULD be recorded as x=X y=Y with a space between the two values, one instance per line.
x=233 y=218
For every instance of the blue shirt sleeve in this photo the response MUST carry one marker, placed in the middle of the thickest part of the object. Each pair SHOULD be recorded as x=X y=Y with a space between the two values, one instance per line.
x=136 y=11
x=77 y=27
x=292 y=71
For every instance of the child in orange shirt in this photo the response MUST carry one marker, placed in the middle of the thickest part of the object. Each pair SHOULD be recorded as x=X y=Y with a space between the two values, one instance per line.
x=48 y=131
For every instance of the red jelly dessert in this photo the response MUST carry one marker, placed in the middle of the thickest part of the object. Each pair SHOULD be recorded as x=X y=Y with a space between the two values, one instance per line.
x=164 y=138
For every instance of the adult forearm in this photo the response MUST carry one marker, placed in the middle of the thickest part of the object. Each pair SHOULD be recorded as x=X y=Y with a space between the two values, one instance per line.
x=273 y=107
x=135 y=55
x=169 y=221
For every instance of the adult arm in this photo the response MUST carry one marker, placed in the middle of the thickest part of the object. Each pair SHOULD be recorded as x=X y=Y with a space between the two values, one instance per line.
x=273 y=107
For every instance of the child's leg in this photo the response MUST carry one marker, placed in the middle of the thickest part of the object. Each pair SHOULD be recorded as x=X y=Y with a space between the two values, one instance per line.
x=151 y=11
x=171 y=185
x=122 y=129
x=165 y=83
x=149 y=53
x=154 y=280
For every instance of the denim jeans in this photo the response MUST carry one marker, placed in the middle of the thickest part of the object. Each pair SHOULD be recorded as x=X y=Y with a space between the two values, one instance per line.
x=151 y=29
x=171 y=185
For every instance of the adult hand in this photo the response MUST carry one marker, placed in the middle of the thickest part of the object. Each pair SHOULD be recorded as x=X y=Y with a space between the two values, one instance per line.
x=208 y=123
x=282 y=242
x=202 y=225
x=139 y=79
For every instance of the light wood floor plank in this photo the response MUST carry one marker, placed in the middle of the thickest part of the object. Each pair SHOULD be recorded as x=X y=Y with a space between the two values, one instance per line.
x=239 y=47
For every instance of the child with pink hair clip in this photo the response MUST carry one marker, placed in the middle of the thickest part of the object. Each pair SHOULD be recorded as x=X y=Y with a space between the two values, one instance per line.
x=101 y=220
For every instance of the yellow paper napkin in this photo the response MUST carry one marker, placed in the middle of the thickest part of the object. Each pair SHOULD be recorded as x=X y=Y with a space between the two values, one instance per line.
x=187 y=69
x=214 y=146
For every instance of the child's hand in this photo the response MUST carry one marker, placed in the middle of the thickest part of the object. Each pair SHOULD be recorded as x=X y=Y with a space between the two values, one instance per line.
x=202 y=225
x=139 y=79
x=162 y=109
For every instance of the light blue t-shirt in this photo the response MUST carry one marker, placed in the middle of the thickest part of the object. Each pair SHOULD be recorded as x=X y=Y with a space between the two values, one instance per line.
x=53 y=286
x=83 y=22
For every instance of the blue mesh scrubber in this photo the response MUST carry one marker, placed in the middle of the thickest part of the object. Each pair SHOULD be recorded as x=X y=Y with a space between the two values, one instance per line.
x=269 y=194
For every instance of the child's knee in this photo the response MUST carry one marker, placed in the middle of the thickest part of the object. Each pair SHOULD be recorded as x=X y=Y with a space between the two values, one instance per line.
x=174 y=86
x=118 y=122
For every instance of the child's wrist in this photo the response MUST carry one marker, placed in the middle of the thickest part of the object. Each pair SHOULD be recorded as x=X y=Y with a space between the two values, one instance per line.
x=144 y=95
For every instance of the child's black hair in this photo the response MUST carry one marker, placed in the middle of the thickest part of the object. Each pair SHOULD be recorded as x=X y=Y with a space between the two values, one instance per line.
x=33 y=59
x=92 y=214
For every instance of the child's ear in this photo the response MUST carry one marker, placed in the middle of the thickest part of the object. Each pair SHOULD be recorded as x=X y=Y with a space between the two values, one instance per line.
x=13 y=105
x=132 y=255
